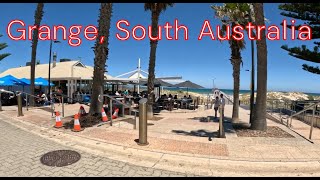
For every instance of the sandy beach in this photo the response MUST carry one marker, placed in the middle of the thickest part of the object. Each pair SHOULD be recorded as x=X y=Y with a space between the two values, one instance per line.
x=294 y=96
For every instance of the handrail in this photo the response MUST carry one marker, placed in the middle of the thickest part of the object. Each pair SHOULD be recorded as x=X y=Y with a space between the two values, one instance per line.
x=65 y=96
x=307 y=108
x=5 y=91
x=123 y=105
x=116 y=100
x=51 y=104
x=30 y=95
x=227 y=97
x=318 y=111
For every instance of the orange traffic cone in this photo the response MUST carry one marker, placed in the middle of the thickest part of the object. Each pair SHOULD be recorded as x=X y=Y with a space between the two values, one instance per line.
x=115 y=114
x=76 y=126
x=58 y=120
x=82 y=111
x=104 y=116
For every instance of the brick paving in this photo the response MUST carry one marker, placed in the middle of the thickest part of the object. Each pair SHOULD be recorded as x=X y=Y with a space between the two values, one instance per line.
x=159 y=143
x=186 y=134
x=21 y=152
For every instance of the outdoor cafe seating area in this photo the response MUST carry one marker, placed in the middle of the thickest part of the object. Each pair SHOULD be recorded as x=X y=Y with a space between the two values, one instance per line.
x=173 y=103
x=163 y=102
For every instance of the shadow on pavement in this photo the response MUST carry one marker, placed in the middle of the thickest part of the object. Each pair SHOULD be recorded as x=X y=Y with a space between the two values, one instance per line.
x=197 y=133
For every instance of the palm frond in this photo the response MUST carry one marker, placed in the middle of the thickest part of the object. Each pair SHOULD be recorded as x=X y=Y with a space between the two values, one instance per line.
x=157 y=7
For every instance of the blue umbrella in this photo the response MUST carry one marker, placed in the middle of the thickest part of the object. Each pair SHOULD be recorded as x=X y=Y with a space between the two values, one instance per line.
x=10 y=80
x=42 y=82
x=38 y=81
x=25 y=80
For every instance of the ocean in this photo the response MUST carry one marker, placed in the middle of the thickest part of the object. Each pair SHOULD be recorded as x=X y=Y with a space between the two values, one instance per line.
x=227 y=91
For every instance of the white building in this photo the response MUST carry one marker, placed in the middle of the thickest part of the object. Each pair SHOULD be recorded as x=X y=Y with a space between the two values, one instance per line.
x=69 y=75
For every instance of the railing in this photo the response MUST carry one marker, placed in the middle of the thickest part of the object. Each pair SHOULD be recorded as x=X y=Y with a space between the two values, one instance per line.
x=287 y=109
x=4 y=91
x=229 y=99
x=310 y=107
x=46 y=101
x=111 y=99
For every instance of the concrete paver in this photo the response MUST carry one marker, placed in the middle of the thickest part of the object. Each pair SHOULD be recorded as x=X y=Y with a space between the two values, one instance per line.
x=183 y=149
x=18 y=164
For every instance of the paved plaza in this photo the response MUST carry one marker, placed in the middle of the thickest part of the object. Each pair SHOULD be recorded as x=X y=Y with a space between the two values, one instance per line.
x=179 y=145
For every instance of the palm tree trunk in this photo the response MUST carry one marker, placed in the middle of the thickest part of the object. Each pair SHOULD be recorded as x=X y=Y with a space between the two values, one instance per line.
x=259 y=119
x=236 y=62
x=236 y=90
x=101 y=52
x=152 y=62
x=37 y=20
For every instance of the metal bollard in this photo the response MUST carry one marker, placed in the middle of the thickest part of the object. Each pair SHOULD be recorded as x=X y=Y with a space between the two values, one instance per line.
x=135 y=120
x=27 y=102
x=123 y=109
x=221 y=129
x=19 y=99
x=143 y=122
x=0 y=103
x=52 y=105
x=62 y=101
x=312 y=121
x=110 y=102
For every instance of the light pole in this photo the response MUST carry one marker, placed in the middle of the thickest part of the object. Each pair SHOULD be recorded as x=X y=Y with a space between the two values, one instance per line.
x=249 y=18
x=213 y=83
x=49 y=75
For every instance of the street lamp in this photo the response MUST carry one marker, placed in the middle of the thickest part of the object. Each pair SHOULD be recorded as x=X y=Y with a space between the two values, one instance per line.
x=49 y=75
x=249 y=19
x=213 y=83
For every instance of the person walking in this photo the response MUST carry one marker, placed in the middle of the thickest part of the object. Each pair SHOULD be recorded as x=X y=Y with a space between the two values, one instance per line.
x=216 y=106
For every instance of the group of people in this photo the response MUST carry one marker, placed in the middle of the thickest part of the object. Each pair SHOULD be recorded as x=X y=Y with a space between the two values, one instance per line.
x=219 y=102
x=43 y=99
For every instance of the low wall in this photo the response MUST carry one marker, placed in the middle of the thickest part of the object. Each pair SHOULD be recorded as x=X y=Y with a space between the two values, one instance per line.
x=308 y=118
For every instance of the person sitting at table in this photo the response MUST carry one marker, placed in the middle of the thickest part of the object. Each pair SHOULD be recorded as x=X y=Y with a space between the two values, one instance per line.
x=175 y=97
x=165 y=97
x=184 y=101
x=44 y=99
x=126 y=93
x=117 y=93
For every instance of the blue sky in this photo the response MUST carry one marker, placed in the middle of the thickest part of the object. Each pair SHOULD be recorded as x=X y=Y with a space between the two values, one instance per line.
x=194 y=60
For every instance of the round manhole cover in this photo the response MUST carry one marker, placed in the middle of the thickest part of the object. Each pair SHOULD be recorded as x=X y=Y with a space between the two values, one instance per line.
x=60 y=158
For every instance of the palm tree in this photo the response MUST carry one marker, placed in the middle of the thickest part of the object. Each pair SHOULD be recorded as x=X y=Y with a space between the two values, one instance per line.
x=37 y=20
x=232 y=14
x=259 y=118
x=156 y=9
x=101 y=52
x=2 y=46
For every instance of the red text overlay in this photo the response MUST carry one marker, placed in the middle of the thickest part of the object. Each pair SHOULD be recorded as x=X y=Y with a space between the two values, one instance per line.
x=17 y=30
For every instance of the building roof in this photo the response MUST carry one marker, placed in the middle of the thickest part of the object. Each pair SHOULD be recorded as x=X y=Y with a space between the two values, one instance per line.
x=136 y=75
x=62 y=70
